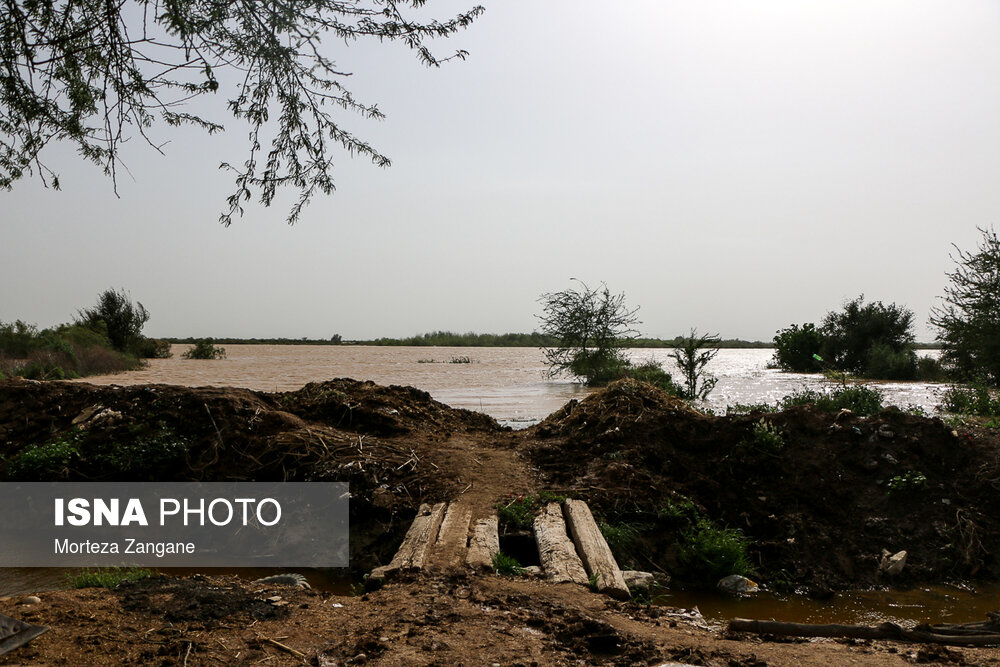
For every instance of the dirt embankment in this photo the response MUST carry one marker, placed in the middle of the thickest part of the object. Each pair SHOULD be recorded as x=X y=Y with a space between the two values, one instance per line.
x=818 y=495
x=396 y=446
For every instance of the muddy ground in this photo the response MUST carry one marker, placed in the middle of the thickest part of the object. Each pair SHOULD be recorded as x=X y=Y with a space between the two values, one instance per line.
x=817 y=506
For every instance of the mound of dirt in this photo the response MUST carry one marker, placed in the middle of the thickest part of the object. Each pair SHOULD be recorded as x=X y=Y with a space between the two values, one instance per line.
x=390 y=443
x=371 y=408
x=819 y=495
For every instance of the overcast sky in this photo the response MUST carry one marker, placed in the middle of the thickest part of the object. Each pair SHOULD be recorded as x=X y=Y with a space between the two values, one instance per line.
x=734 y=166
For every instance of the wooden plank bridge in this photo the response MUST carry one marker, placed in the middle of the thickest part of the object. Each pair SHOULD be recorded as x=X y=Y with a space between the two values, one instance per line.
x=570 y=545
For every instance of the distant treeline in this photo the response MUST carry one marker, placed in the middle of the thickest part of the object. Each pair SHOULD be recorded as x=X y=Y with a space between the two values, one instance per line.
x=452 y=339
x=333 y=340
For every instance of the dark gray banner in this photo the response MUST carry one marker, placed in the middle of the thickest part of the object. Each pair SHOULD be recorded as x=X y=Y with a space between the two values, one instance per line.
x=174 y=524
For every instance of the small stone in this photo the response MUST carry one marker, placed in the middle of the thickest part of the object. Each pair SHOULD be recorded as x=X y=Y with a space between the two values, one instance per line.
x=892 y=564
x=637 y=581
x=737 y=585
x=359 y=658
x=31 y=599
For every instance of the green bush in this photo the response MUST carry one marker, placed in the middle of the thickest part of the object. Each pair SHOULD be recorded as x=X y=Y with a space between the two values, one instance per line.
x=709 y=553
x=47 y=461
x=974 y=400
x=795 y=348
x=887 y=363
x=205 y=349
x=862 y=400
x=117 y=317
x=66 y=351
x=652 y=372
x=153 y=348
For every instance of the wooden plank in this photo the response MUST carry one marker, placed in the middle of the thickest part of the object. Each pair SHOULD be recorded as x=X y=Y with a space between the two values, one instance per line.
x=594 y=550
x=451 y=547
x=412 y=552
x=556 y=552
x=883 y=631
x=484 y=543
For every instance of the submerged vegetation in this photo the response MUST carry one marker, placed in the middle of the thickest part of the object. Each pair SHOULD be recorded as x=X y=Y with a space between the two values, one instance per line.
x=869 y=340
x=205 y=348
x=104 y=339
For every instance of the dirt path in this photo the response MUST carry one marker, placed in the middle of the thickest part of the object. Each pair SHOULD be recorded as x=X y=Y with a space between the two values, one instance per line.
x=487 y=472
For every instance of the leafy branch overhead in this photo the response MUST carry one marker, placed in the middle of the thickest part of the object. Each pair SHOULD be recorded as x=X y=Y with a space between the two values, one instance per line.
x=94 y=73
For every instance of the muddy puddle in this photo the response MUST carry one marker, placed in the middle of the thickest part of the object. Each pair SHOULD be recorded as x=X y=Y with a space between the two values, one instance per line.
x=933 y=604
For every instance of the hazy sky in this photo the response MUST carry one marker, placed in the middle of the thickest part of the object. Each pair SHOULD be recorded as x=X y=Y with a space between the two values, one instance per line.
x=734 y=166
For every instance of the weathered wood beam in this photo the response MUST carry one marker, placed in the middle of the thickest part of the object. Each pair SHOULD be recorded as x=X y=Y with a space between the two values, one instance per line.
x=556 y=552
x=484 y=543
x=413 y=551
x=594 y=550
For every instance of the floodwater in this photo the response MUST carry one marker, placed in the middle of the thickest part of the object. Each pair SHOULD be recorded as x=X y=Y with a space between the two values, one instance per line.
x=511 y=385
x=508 y=383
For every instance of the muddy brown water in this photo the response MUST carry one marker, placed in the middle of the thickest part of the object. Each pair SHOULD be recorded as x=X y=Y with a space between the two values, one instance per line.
x=508 y=383
x=511 y=385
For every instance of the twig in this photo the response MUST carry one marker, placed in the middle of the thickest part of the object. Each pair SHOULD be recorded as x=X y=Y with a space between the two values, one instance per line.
x=283 y=647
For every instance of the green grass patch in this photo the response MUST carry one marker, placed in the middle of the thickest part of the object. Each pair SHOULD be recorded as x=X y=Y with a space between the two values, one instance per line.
x=107 y=577
x=709 y=552
x=506 y=566
x=518 y=512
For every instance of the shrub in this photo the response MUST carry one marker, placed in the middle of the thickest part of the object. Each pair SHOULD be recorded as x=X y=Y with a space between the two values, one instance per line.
x=862 y=400
x=652 y=372
x=710 y=553
x=795 y=348
x=47 y=461
x=108 y=577
x=692 y=354
x=116 y=316
x=851 y=334
x=205 y=349
x=153 y=348
x=887 y=363
x=975 y=400
x=969 y=318
x=461 y=360
x=767 y=437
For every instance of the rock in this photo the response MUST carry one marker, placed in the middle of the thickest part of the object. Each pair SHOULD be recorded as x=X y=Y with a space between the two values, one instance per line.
x=886 y=432
x=889 y=458
x=736 y=584
x=31 y=599
x=892 y=564
x=638 y=581
x=533 y=571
